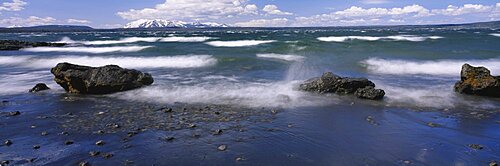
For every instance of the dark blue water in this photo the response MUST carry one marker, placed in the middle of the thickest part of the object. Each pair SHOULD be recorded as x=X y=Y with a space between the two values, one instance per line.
x=251 y=72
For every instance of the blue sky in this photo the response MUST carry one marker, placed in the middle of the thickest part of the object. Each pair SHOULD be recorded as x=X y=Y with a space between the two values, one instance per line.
x=117 y=13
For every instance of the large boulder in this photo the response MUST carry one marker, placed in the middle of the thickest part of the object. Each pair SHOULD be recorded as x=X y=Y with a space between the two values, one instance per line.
x=16 y=45
x=478 y=81
x=331 y=83
x=98 y=80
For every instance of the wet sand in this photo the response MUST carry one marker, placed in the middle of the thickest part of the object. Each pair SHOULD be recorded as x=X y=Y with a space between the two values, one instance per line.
x=65 y=129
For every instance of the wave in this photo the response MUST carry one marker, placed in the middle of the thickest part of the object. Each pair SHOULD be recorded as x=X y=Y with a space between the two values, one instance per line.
x=282 y=57
x=21 y=82
x=412 y=38
x=182 y=61
x=275 y=94
x=92 y=50
x=238 y=43
x=495 y=34
x=440 y=67
x=185 y=39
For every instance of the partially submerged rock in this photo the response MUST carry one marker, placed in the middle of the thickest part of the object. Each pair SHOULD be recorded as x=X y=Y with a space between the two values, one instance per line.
x=17 y=45
x=331 y=83
x=478 y=81
x=98 y=80
x=39 y=87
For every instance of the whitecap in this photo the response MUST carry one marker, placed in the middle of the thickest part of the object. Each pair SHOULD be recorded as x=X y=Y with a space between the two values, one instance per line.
x=495 y=34
x=412 y=38
x=282 y=57
x=238 y=43
x=438 y=67
x=182 y=61
x=93 y=50
x=185 y=39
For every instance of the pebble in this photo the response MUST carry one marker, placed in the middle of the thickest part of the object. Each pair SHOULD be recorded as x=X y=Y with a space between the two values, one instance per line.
x=217 y=132
x=166 y=110
x=222 y=148
x=128 y=162
x=430 y=124
x=94 y=153
x=493 y=163
x=44 y=133
x=169 y=138
x=31 y=160
x=101 y=113
x=99 y=143
x=64 y=133
x=131 y=134
x=107 y=155
x=407 y=161
x=240 y=159
x=8 y=142
x=5 y=162
x=68 y=142
x=274 y=111
x=192 y=125
x=33 y=126
x=14 y=113
x=36 y=147
x=100 y=132
x=476 y=146
x=84 y=163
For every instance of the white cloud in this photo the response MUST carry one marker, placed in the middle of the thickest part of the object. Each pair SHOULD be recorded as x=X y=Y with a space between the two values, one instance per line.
x=77 y=21
x=273 y=10
x=374 y=1
x=30 y=21
x=465 y=9
x=192 y=10
x=15 y=5
x=277 y=22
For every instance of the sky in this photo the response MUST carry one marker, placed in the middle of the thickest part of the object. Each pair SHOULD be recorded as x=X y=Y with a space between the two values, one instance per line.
x=248 y=13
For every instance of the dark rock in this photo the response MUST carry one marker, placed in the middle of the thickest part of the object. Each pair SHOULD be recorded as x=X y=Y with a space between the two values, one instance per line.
x=94 y=153
x=222 y=147
x=331 y=83
x=169 y=138
x=370 y=92
x=217 y=132
x=39 y=87
x=84 y=163
x=36 y=147
x=44 y=133
x=476 y=146
x=493 y=163
x=107 y=155
x=17 y=45
x=99 y=143
x=5 y=162
x=431 y=124
x=478 y=81
x=8 y=142
x=68 y=142
x=98 y=80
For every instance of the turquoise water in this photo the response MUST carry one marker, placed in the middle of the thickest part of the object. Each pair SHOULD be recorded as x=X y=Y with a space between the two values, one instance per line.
x=259 y=69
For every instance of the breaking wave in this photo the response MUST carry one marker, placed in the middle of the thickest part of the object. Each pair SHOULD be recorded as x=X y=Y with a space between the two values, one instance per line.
x=238 y=43
x=495 y=34
x=92 y=50
x=439 y=67
x=282 y=57
x=135 y=40
x=182 y=61
x=412 y=38
x=185 y=39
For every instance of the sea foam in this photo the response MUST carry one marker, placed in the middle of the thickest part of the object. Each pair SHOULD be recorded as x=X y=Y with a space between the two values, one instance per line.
x=92 y=50
x=495 y=34
x=438 y=67
x=282 y=57
x=412 y=38
x=185 y=39
x=238 y=43
x=182 y=61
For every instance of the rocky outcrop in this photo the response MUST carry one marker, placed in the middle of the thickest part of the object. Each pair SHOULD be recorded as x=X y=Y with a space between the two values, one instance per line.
x=478 y=81
x=17 y=45
x=98 y=80
x=39 y=87
x=331 y=83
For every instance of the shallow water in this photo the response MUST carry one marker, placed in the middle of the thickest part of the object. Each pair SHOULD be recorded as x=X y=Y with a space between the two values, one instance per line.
x=245 y=74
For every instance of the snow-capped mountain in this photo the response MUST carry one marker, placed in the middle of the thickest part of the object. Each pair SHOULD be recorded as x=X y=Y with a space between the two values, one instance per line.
x=159 y=23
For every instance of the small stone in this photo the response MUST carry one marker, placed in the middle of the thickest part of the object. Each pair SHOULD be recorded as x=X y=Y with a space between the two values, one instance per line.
x=30 y=160
x=5 y=162
x=167 y=110
x=100 y=132
x=36 y=147
x=8 y=142
x=84 y=163
x=192 y=125
x=68 y=142
x=493 y=163
x=290 y=125
x=39 y=87
x=169 y=138
x=115 y=126
x=131 y=134
x=14 y=113
x=44 y=133
x=64 y=133
x=94 y=153
x=222 y=148
x=99 y=143
x=431 y=124
x=240 y=159
x=407 y=161
x=101 y=113
x=33 y=126
x=107 y=155
x=274 y=111
x=476 y=146
x=128 y=162
x=217 y=132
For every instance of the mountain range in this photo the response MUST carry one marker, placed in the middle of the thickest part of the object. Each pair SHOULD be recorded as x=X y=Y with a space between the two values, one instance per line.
x=160 y=23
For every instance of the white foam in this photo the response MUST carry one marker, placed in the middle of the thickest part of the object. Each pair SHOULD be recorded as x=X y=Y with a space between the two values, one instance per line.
x=412 y=38
x=440 y=67
x=21 y=82
x=238 y=43
x=282 y=57
x=183 y=61
x=277 y=94
x=92 y=50
x=121 y=41
x=185 y=39
x=495 y=34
